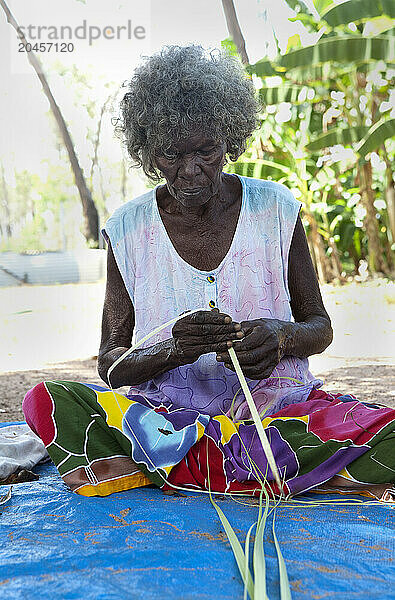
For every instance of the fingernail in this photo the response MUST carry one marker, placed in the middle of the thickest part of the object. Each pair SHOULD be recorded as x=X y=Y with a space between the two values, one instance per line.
x=229 y=344
x=219 y=357
x=240 y=334
x=228 y=320
x=237 y=327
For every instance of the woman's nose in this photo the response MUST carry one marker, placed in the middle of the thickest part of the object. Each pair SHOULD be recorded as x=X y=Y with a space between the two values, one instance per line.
x=189 y=167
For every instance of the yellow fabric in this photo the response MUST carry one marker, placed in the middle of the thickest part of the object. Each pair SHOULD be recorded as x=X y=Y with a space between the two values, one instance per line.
x=105 y=488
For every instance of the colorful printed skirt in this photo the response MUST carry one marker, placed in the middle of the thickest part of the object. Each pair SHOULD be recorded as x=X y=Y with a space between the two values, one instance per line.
x=103 y=442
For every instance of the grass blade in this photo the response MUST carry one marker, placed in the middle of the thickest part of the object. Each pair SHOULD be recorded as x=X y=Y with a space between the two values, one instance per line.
x=246 y=558
x=285 y=590
x=259 y=553
x=255 y=415
x=237 y=550
x=241 y=560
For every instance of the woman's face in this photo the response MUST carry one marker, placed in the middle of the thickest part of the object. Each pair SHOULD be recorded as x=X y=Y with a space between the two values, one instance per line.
x=192 y=169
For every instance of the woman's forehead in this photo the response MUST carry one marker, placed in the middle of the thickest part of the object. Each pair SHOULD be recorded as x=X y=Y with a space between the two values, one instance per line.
x=195 y=139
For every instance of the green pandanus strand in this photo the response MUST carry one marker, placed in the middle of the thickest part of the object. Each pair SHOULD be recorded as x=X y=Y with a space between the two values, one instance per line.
x=257 y=589
x=251 y=404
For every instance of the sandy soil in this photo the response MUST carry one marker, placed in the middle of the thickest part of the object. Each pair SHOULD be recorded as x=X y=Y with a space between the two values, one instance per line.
x=67 y=318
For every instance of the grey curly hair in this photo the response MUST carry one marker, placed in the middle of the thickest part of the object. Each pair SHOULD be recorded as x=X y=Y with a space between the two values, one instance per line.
x=180 y=90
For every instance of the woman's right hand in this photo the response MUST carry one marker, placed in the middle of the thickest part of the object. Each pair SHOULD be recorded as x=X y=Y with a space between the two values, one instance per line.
x=203 y=332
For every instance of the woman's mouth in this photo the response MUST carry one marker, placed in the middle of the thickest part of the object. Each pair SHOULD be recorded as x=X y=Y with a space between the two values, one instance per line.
x=191 y=191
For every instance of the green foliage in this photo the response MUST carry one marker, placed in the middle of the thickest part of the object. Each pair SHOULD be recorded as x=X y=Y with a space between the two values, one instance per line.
x=330 y=112
x=338 y=135
x=289 y=92
x=230 y=47
x=358 y=10
x=42 y=213
x=339 y=49
x=30 y=237
x=376 y=136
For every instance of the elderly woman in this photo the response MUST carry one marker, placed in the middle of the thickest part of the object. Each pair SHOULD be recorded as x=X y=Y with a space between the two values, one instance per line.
x=232 y=250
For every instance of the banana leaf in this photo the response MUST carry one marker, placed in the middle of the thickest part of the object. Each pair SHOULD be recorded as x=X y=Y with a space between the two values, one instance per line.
x=358 y=10
x=259 y=169
x=262 y=68
x=344 y=136
x=284 y=93
x=341 y=49
x=375 y=137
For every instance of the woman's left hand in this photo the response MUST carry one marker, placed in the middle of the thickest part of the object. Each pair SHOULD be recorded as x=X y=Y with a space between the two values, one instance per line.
x=260 y=351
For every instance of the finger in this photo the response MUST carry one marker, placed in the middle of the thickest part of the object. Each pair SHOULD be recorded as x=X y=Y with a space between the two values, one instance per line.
x=210 y=316
x=233 y=343
x=197 y=344
x=236 y=338
x=226 y=340
x=253 y=357
x=211 y=329
x=218 y=348
x=225 y=355
x=250 y=341
x=225 y=358
x=248 y=356
x=261 y=370
x=198 y=347
x=255 y=343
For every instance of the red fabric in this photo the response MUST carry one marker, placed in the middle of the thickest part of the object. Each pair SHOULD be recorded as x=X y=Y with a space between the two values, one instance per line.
x=38 y=408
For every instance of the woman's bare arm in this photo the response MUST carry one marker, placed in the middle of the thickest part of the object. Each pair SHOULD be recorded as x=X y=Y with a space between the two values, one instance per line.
x=192 y=336
x=312 y=331
x=117 y=330
x=268 y=340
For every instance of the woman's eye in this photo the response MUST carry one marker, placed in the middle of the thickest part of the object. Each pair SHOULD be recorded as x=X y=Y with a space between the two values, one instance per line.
x=170 y=157
x=207 y=152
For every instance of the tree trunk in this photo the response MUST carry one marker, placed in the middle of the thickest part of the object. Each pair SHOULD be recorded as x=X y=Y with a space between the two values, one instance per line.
x=390 y=201
x=97 y=140
x=91 y=219
x=375 y=259
x=390 y=194
x=235 y=30
x=324 y=271
x=335 y=260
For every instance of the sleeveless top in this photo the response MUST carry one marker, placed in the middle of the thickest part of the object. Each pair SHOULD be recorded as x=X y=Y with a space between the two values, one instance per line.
x=251 y=282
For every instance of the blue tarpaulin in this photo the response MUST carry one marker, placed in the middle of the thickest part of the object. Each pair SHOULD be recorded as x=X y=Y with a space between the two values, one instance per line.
x=143 y=544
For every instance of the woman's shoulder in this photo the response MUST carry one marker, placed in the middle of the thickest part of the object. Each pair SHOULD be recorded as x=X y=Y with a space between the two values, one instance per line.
x=127 y=216
x=130 y=207
x=268 y=190
x=268 y=187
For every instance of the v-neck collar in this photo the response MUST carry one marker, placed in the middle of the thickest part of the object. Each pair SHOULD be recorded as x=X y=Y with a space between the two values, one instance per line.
x=171 y=245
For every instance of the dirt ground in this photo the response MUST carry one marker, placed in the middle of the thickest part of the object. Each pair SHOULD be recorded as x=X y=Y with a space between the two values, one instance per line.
x=359 y=361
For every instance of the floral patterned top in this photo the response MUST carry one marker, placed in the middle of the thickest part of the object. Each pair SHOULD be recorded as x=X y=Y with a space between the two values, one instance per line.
x=251 y=282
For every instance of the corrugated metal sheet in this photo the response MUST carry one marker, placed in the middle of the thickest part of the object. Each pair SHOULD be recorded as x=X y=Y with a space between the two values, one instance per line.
x=52 y=267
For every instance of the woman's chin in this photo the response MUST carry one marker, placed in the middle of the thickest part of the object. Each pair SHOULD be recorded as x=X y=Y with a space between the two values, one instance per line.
x=193 y=200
